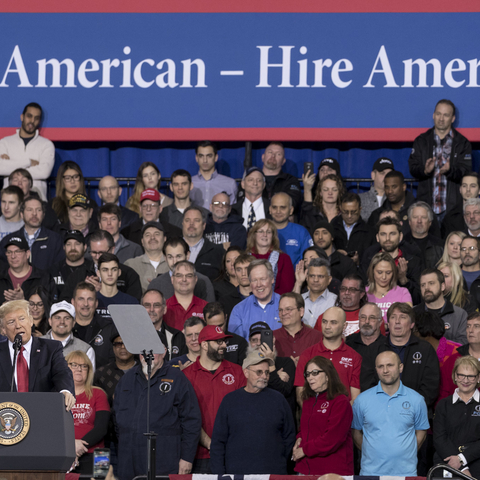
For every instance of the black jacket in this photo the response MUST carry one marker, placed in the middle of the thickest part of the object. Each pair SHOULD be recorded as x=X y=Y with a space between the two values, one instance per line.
x=433 y=250
x=46 y=249
x=61 y=272
x=341 y=265
x=460 y=164
x=134 y=231
x=237 y=208
x=236 y=349
x=174 y=339
x=286 y=183
x=128 y=282
x=209 y=260
x=37 y=278
x=310 y=216
x=361 y=238
x=421 y=370
x=98 y=334
x=474 y=289
x=230 y=230
x=454 y=221
x=63 y=228
x=128 y=216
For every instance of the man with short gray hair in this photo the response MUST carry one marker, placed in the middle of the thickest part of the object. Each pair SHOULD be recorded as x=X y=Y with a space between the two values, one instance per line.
x=261 y=306
x=471 y=214
x=420 y=218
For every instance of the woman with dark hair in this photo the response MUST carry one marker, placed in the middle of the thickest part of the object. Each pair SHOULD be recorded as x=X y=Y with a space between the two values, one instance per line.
x=40 y=310
x=69 y=182
x=263 y=242
x=324 y=442
x=148 y=176
x=227 y=282
x=323 y=203
x=430 y=327
x=456 y=425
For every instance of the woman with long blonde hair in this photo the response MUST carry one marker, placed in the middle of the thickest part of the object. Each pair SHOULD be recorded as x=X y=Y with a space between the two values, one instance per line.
x=454 y=287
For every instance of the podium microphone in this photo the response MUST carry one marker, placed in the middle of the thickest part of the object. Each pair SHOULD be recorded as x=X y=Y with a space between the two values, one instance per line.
x=17 y=345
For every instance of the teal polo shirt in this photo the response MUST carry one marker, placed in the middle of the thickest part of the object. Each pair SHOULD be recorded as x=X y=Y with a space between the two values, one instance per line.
x=388 y=424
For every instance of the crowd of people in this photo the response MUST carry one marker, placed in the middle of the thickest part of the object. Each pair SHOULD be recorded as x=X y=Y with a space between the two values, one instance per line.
x=310 y=330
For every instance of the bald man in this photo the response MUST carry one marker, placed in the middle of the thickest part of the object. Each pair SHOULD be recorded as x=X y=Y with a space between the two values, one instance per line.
x=109 y=191
x=346 y=360
x=389 y=415
x=294 y=238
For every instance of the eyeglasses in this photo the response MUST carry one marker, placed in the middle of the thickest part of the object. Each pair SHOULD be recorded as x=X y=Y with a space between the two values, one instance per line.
x=219 y=342
x=349 y=289
x=463 y=249
x=36 y=305
x=287 y=310
x=259 y=373
x=71 y=178
x=223 y=204
x=81 y=366
x=154 y=305
x=314 y=373
x=118 y=344
x=188 y=276
x=149 y=206
x=12 y=253
x=470 y=378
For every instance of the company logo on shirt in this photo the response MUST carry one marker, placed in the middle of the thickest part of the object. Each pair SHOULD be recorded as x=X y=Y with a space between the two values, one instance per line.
x=292 y=242
x=406 y=405
x=98 y=340
x=417 y=357
x=175 y=350
x=228 y=379
x=476 y=412
x=165 y=387
x=323 y=407
x=447 y=326
x=348 y=362
x=232 y=348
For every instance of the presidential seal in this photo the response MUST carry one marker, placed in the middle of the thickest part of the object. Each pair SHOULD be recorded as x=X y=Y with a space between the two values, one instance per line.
x=14 y=423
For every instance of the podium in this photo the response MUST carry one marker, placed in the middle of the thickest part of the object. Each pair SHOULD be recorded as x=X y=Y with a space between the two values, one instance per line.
x=37 y=436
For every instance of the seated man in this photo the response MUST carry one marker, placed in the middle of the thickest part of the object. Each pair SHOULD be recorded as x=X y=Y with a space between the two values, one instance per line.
x=208 y=182
x=471 y=215
x=191 y=331
x=37 y=354
x=11 y=220
x=110 y=220
x=176 y=250
x=183 y=304
x=152 y=263
x=80 y=211
x=28 y=149
x=223 y=227
x=62 y=321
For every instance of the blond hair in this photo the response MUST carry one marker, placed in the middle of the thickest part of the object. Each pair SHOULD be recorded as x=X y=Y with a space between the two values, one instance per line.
x=13 y=306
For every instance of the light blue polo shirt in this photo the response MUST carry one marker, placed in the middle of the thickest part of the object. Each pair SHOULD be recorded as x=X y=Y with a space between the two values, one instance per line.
x=388 y=424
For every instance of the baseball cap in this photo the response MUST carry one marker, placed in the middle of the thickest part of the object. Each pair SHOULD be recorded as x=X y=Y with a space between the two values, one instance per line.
x=62 y=307
x=256 y=357
x=19 y=242
x=75 y=235
x=156 y=225
x=332 y=163
x=80 y=200
x=212 y=332
x=257 y=328
x=150 y=194
x=382 y=164
x=250 y=170
x=326 y=225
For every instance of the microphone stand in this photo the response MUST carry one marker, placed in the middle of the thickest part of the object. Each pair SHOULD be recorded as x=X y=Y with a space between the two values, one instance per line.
x=16 y=347
x=151 y=436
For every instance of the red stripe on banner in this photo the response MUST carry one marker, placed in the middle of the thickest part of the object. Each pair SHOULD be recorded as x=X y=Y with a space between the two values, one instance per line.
x=237 y=134
x=235 y=6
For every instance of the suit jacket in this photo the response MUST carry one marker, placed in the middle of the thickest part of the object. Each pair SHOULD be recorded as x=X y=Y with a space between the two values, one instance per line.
x=48 y=371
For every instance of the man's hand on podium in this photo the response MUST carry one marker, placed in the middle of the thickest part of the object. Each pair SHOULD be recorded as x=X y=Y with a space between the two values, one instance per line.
x=69 y=400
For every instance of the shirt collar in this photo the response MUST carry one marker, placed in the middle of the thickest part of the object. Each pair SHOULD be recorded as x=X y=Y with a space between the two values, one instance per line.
x=475 y=396
x=27 y=346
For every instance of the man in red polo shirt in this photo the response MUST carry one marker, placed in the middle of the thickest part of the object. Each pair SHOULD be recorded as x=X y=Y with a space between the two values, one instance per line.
x=183 y=304
x=212 y=378
x=294 y=337
x=346 y=360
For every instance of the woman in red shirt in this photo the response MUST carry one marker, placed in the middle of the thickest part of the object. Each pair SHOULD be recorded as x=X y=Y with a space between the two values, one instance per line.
x=90 y=413
x=324 y=443
x=263 y=242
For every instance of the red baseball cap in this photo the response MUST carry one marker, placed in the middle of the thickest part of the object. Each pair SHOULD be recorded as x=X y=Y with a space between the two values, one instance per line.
x=212 y=332
x=150 y=194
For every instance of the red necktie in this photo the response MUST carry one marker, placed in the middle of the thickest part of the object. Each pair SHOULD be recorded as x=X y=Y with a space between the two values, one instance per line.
x=22 y=372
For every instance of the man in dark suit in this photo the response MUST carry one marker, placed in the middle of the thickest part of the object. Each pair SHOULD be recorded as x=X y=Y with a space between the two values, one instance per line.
x=40 y=365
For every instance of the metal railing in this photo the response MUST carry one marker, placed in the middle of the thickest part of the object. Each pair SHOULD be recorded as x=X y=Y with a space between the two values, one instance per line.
x=456 y=473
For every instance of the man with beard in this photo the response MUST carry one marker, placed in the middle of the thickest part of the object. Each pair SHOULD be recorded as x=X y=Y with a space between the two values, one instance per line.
x=469 y=253
x=368 y=342
x=27 y=149
x=223 y=227
x=75 y=248
x=212 y=378
x=389 y=238
x=254 y=431
x=45 y=245
x=432 y=286
x=152 y=263
x=390 y=422
x=346 y=361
